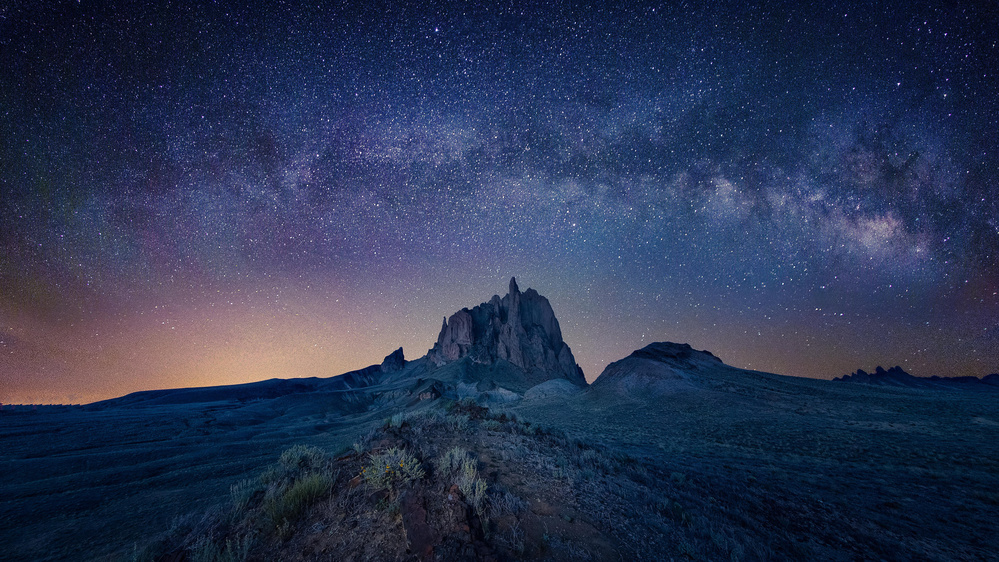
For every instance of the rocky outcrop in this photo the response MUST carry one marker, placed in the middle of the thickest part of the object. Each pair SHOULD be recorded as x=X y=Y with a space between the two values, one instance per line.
x=676 y=354
x=519 y=328
x=394 y=361
x=657 y=368
x=896 y=376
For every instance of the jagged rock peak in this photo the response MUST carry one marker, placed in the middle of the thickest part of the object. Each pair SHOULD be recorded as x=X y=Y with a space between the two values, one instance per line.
x=394 y=361
x=894 y=373
x=896 y=376
x=520 y=328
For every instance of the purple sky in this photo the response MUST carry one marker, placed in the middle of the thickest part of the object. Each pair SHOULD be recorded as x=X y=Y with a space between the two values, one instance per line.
x=194 y=195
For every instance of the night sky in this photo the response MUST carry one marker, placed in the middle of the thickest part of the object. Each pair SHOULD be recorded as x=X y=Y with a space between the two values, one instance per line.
x=199 y=194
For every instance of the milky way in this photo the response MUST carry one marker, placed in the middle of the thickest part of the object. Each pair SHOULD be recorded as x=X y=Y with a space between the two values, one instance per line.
x=197 y=194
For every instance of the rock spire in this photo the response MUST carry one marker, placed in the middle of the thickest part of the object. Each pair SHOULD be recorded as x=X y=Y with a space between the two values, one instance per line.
x=520 y=328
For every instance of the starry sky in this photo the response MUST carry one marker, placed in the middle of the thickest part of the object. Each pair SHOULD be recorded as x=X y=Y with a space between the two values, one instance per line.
x=197 y=193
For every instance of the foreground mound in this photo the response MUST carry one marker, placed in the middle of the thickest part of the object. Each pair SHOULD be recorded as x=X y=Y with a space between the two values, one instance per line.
x=456 y=481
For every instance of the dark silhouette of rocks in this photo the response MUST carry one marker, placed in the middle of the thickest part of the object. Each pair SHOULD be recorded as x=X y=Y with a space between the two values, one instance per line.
x=519 y=328
x=394 y=361
x=896 y=376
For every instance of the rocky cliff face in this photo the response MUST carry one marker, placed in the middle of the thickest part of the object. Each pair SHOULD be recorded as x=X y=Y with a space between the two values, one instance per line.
x=519 y=328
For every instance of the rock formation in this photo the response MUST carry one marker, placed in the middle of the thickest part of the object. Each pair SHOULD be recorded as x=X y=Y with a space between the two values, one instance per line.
x=394 y=361
x=676 y=354
x=659 y=367
x=896 y=376
x=519 y=328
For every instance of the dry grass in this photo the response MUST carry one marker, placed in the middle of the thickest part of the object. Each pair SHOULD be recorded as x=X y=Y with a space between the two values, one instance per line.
x=285 y=505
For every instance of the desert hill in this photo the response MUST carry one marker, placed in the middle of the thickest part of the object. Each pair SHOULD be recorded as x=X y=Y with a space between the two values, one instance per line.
x=660 y=367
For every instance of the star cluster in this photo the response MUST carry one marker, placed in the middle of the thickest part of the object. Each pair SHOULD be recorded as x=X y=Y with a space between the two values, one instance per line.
x=196 y=194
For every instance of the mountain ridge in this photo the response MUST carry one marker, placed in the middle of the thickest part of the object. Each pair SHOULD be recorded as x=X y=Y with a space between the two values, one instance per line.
x=896 y=376
x=499 y=350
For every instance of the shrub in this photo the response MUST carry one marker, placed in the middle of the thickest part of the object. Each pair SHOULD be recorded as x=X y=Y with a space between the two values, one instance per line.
x=458 y=466
x=563 y=468
x=503 y=502
x=287 y=505
x=474 y=490
x=525 y=428
x=588 y=457
x=513 y=539
x=242 y=492
x=450 y=461
x=672 y=510
x=457 y=423
x=391 y=469
x=294 y=463
x=396 y=420
x=301 y=459
x=492 y=425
